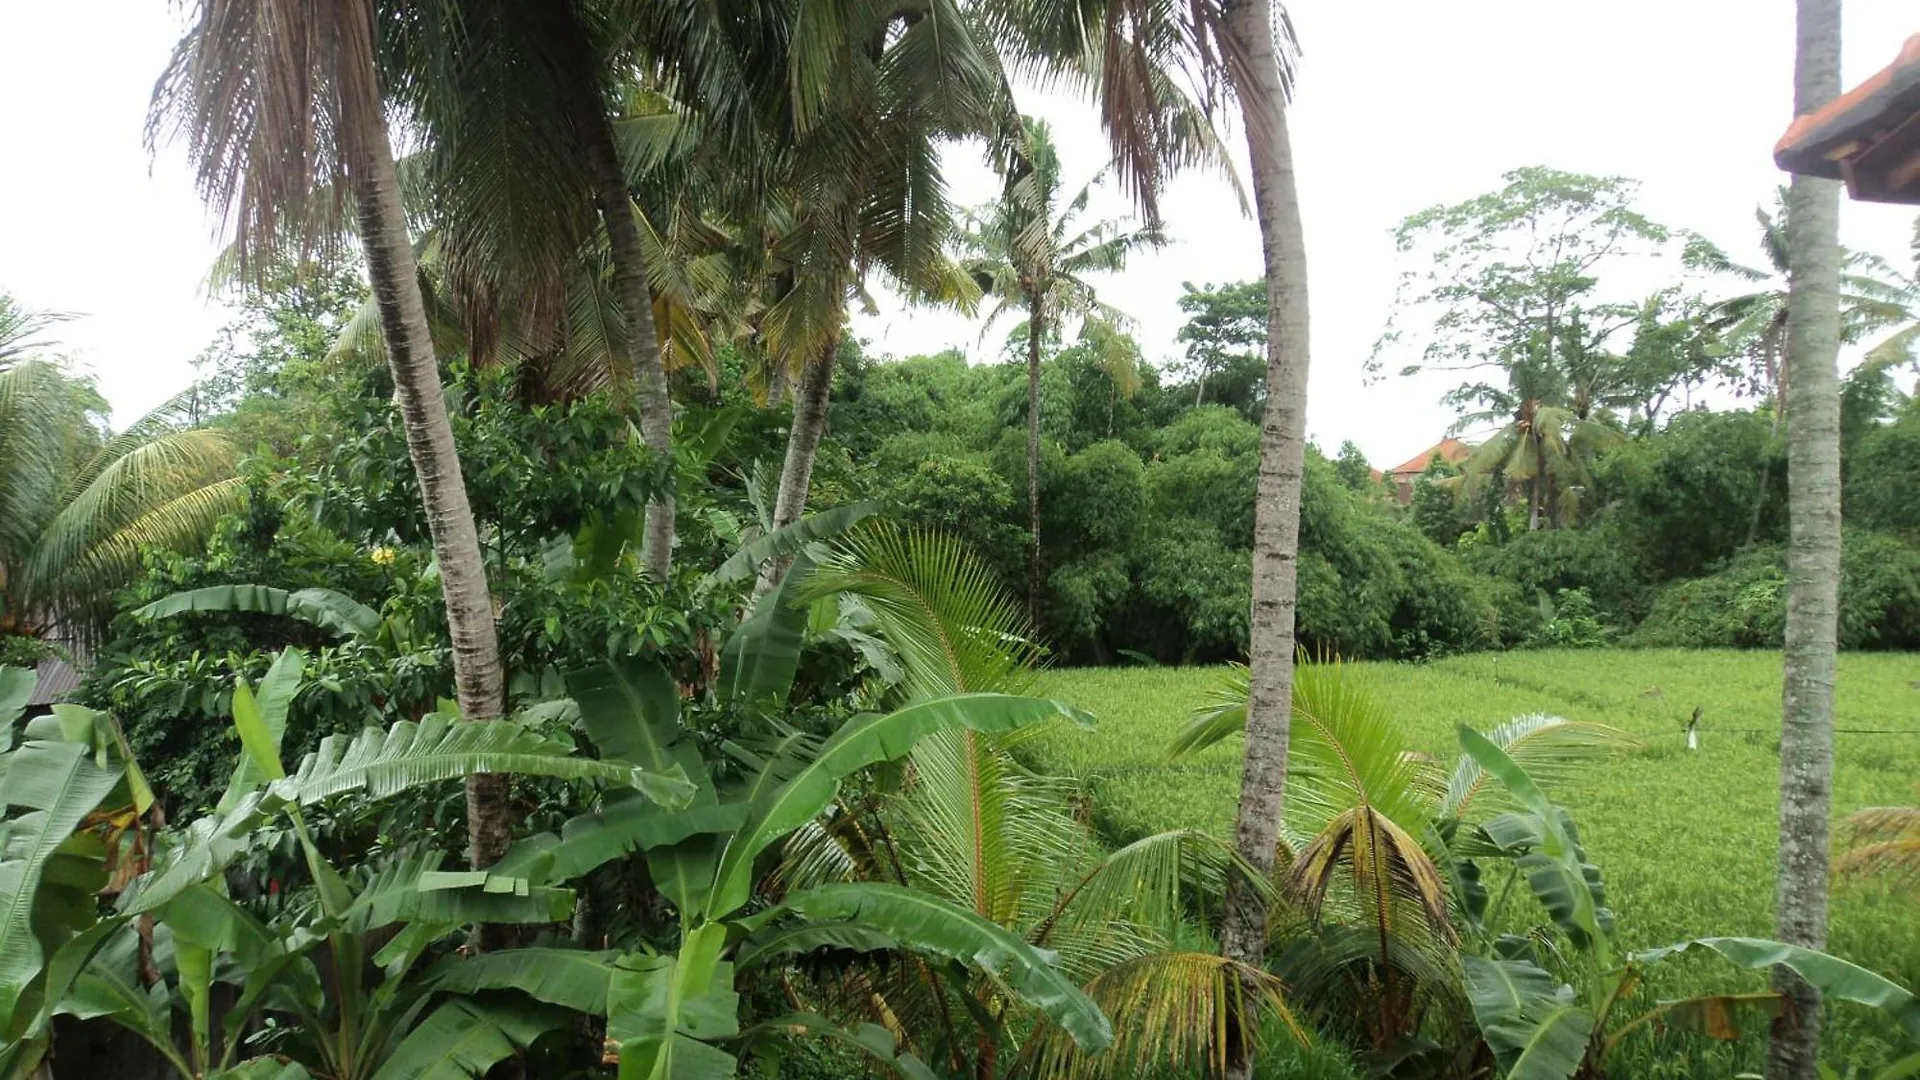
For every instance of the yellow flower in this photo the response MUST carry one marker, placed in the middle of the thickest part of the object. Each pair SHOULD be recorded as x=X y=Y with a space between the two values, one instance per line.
x=382 y=556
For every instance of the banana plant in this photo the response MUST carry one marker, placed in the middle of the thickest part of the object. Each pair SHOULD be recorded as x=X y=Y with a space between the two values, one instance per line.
x=311 y=962
x=71 y=803
x=677 y=1014
x=1540 y=1027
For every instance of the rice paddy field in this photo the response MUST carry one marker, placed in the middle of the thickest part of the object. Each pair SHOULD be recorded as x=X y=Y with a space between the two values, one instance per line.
x=1685 y=839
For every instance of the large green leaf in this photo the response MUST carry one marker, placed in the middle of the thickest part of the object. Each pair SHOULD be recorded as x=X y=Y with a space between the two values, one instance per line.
x=16 y=686
x=776 y=942
x=414 y=889
x=1554 y=863
x=926 y=923
x=59 y=783
x=1531 y=1020
x=661 y=1008
x=464 y=1038
x=863 y=741
x=631 y=709
x=571 y=978
x=1834 y=977
x=789 y=541
x=758 y=663
x=615 y=831
x=331 y=611
x=408 y=754
x=261 y=721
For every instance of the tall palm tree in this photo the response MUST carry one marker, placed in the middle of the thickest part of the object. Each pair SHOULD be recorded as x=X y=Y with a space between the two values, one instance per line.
x=867 y=92
x=1873 y=297
x=280 y=102
x=1157 y=69
x=515 y=102
x=1813 y=332
x=1029 y=249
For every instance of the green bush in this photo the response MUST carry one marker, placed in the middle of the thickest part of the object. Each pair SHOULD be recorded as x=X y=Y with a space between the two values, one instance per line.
x=1744 y=603
x=1883 y=479
x=1601 y=560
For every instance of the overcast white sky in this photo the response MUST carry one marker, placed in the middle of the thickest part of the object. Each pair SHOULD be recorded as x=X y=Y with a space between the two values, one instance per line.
x=1402 y=104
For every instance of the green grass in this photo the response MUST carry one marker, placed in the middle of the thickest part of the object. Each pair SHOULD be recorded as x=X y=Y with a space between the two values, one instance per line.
x=1685 y=840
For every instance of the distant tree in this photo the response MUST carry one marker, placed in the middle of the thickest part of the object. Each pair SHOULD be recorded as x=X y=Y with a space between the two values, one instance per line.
x=1352 y=468
x=1030 y=250
x=21 y=329
x=1511 y=286
x=1225 y=335
x=79 y=505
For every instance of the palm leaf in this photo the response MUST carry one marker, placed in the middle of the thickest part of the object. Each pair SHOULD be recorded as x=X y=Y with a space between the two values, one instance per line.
x=1551 y=749
x=862 y=741
x=927 y=924
x=955 y=626
x=1179 y=1008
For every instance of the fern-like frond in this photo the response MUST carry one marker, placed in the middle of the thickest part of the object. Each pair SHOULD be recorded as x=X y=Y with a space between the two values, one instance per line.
x=1552 y=749
x=956 y=627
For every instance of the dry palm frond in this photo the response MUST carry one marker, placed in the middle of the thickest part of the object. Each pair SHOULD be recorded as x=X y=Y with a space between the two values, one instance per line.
x=1179 y=1010
x=1886 y=841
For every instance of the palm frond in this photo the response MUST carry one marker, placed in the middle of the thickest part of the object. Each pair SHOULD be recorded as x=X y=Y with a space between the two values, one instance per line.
x=1552 y=749
x=933 y=599
x=1182 y=1010
x=1885 y=840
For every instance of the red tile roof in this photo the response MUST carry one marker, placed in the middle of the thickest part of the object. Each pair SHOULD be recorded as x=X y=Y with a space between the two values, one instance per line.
x=1451 y=450
x=1868 y=136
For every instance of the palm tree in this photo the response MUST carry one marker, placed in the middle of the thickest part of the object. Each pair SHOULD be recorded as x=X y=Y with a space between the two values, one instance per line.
x=1029 y=250
x=280 y=103
x=20 y=329
x=1813 y=333
x=856 y=186
x=516 y=105
x=974 y=828
x=1157 y=69
x=1873 y=297
x=78 y=509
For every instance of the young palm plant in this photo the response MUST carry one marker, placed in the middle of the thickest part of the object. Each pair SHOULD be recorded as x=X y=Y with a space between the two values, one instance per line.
x=967 y=823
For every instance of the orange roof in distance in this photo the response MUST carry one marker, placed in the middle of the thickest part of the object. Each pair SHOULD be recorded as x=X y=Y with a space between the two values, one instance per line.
x=1868 y=136
x=1451 y=450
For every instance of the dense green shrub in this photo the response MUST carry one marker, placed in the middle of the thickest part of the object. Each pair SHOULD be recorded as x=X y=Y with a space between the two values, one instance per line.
x=1744 y=603
x=1687 y=499
x=1599 y=559
x=1883 y=479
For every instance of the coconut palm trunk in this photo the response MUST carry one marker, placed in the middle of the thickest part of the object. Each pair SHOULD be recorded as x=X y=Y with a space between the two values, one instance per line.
x=403 y=321
x=1813 y=552
x=1035 y=325
x=615 y=204
x=1258 y=84
x=803 y=439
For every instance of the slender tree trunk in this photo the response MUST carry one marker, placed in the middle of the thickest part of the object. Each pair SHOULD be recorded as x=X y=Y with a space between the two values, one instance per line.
x=1035 y=328
x=423 y=409
x=1813 y=552
x=610 y=195
x=1276 y=529
x=810 y=399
